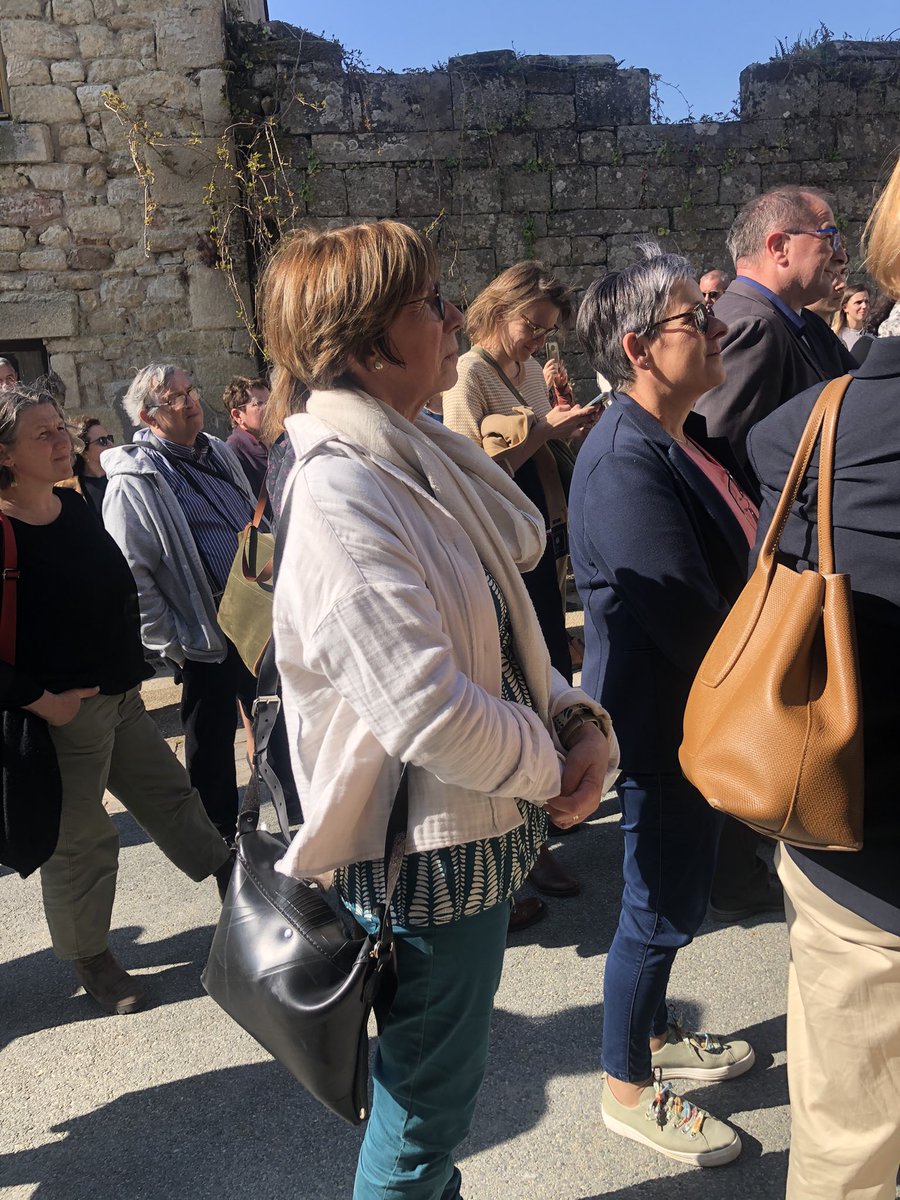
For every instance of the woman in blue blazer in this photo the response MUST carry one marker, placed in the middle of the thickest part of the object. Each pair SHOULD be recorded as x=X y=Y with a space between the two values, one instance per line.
x=661 y=526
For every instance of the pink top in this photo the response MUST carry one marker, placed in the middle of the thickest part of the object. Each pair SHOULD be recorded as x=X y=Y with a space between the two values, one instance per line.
x=730 y=490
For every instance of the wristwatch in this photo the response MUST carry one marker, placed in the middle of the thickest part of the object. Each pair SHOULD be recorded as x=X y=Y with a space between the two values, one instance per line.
x=570 y=721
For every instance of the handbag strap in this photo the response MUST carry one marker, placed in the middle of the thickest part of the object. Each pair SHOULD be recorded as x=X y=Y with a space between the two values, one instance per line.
x=10 y=579
x=251 y=546
x=823 y=418
x=504 y=378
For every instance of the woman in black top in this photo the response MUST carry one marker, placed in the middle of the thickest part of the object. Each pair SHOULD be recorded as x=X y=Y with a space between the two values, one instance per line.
x=87 y=688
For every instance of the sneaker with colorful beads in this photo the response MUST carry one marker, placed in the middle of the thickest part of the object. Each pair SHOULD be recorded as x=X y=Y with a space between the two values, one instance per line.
x=690 y=1054
x=673 y=1125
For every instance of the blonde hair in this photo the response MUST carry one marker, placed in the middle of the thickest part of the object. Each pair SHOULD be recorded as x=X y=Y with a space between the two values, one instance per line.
x=881 y=239
x=507 y=297
x=329 y=298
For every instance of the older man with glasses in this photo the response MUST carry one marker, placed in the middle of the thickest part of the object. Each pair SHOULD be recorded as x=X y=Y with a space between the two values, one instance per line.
x=176 y=501
x=787 y=251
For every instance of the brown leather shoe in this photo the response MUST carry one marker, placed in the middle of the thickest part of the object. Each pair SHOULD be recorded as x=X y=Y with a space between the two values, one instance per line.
x=106 y=982
x=550 y=878
x=526 y=911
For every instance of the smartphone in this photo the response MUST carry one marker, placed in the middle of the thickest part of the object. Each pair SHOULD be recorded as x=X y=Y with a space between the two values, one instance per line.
x=552 y=350
x=598 y=401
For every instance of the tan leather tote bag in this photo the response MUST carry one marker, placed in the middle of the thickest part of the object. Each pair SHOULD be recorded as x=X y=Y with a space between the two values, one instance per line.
x=772 y=728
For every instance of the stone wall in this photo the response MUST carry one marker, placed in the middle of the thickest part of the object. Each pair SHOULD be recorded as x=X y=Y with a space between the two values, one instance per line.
x=500 y=157
x=557 y=158
x=74 y=271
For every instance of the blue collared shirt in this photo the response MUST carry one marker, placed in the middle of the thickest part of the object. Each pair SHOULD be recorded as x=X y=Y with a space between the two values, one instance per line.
x=796 y=322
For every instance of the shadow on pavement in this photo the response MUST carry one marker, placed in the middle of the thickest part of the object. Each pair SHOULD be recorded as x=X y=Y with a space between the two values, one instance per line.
x=767 y=1181
x=37 y=991
x=238 y=1132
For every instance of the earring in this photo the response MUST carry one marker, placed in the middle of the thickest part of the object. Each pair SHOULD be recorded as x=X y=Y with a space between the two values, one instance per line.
x=378 y=365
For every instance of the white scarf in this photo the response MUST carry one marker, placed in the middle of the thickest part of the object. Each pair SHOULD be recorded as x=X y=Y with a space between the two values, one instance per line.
x=506 y=529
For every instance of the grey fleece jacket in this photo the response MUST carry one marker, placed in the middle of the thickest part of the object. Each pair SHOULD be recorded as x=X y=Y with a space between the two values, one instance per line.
x=142 y=513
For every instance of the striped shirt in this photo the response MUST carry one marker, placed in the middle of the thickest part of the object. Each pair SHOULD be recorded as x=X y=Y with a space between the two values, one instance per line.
x=214 y=507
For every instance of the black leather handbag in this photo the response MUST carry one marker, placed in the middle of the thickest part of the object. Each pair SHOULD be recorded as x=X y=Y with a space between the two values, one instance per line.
x=287 y=961
x=293 y=968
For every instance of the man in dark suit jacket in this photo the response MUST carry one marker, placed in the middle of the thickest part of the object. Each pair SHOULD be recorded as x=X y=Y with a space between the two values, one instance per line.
x=787 y=252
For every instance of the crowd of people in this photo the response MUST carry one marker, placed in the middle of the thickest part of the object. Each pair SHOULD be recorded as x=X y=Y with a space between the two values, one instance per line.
x=430 y=505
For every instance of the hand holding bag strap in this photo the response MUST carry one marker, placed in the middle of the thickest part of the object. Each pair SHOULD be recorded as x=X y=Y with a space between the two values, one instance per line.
x=8 y=599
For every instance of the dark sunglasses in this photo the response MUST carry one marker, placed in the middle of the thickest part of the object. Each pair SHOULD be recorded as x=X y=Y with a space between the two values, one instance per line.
x=108 y=440
x=699 y=314
x=435 y=298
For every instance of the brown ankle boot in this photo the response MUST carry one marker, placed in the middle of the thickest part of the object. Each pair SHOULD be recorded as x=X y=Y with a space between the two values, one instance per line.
x=111 y=986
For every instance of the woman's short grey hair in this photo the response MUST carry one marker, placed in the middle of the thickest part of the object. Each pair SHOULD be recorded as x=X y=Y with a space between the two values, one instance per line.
x=627 y=301
x=146 y=388
x=13 y=402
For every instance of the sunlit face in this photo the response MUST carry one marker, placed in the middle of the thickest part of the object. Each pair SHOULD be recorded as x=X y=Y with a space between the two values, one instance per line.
x=8 y=377
x=96 y=440
x=813 y=262
x=42 y=451
x=687 y=361
x=429 y=348
x=250 y=416
x=526 y=333
x=856 y=309
x=712 y=285
x=177 y=415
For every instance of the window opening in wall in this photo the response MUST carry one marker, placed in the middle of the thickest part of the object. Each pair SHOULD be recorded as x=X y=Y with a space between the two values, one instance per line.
x=31 y=356
x=5 y=114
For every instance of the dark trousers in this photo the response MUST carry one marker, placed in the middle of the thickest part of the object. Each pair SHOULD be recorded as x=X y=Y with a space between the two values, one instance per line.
x=741 y=875
x=209 y=718
x=670 y=853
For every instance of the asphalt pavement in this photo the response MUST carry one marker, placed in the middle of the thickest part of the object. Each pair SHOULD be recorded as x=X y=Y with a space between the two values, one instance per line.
x=178 y=1102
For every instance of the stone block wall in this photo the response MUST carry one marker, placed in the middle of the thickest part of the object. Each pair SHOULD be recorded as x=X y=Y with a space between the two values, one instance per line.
x=74 y=272
x=507 y=158
x=500 y=157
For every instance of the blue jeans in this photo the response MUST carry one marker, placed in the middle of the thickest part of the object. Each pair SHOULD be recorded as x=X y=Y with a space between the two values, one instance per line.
x=671 y=835
x=431 y=1058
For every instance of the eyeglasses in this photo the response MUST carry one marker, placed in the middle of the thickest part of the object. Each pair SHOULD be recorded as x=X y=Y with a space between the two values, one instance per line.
x=829 y=231
x=178 y=402
x=699 y=314
x=107 y=440
x=538 y=330
x=254 y=403
x=434 y=298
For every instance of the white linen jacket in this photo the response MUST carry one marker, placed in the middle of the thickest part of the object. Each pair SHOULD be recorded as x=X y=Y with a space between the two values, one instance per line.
x=386 y=638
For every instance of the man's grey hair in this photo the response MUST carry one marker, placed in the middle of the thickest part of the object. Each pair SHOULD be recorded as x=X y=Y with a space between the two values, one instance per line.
x=782 y=208
x=723 y=276
x=627 y=301
x=146 y=388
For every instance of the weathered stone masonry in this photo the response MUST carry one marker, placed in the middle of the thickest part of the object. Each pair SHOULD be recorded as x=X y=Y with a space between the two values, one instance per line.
x=510 y=157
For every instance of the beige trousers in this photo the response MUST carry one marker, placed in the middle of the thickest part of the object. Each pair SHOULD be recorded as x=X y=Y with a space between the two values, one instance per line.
x=843 y=1048
x=113 y=743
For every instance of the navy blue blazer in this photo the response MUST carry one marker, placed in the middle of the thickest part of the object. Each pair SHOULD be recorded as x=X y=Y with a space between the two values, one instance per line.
x=866 y=519
x=659 y=558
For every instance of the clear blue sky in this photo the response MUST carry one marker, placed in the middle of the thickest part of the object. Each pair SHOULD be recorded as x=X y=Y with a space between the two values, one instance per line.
x=698 y=45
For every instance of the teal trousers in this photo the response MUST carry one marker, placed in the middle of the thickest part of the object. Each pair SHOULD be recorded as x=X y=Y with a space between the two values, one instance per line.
x=431 y=1058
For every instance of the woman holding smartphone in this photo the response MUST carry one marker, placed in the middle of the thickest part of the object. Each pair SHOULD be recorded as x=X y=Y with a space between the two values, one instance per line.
x=501 y=402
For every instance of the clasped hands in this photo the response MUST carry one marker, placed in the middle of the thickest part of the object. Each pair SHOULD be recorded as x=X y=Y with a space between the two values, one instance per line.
x=581 y=786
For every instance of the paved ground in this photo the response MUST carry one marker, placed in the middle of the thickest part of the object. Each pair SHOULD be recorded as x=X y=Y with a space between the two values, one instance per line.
x=177 y=1102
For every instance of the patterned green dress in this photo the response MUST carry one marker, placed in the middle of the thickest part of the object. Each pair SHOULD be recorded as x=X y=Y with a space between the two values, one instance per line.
x=439 y=886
